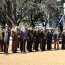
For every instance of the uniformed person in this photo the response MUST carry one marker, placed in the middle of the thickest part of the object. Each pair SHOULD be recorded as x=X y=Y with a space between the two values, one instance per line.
x=1 y=39
x=36 y=42
x=44 y=40
x=34 y=39
x=63 y=39
x=41 y=41
x=18 y=38
x=56 y=38
x=15 y=39
x=30 y=39
x=49 y=40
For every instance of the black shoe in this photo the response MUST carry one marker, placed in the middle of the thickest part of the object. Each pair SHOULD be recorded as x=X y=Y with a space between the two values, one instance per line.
x=5 y=53
x=23 y=52
x=57 y=49
x=30 y=51
x=14 y=52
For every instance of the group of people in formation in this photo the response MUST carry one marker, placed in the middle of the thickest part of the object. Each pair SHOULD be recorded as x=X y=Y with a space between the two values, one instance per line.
x=28 y=39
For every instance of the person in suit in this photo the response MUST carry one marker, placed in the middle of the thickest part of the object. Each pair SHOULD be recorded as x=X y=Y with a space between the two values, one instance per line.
x=30 y=39
x=49 y=40
x=6 y=38
x=23 y=37
x=34 y=39
x=44 y=40
x=15 y=39
x=37 y=41
x=41 y=41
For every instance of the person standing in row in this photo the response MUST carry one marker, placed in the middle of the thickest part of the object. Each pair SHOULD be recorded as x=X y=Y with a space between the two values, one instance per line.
x=15 y=39
x=49 y=40
x=37 y=41
x=39 y=35
x=30 y=40
x=44 y=39
x=63 y=39
x=34 y=39
x=1 y=39
x=7 y=33
x=23 y=37
x=41 y=40
x=56 y=38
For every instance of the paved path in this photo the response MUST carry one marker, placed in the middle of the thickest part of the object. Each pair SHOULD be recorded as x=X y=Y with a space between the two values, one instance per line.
x=54 y=57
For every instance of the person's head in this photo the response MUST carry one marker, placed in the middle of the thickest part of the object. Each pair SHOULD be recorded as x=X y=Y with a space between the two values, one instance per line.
x=41 y=30
x=6 y=26
x=57 y=27
x=30 y=28
x=24 y=25
x=16 y=27
x=63 y=30
x=49 y=30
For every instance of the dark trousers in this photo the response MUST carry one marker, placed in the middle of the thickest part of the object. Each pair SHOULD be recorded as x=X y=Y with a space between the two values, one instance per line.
x=49 y=44
x=44 y=44
x=18 y=42
x=6 y=45
x=63 y=43
x=5 y=48
x=33 y=43
x=14 y=46
x=1 y=45
x=40 y=42
x=22 y=45
x=29 y=45
x=36 y=45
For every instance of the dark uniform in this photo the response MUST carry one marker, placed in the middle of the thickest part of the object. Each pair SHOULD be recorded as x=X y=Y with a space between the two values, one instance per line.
x=63 y=40
x=40 y=39
x=30 y=40
x=37 y=42
x=56 y=38
x=1 y=41
x=34 y=39
x=14 y=41
x=49 y=40
x=44 y=40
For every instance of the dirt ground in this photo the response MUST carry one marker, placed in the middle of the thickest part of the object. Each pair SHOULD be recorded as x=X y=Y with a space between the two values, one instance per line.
x=53 y=57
